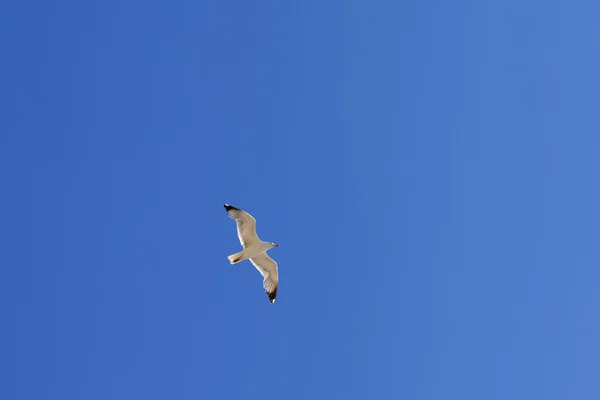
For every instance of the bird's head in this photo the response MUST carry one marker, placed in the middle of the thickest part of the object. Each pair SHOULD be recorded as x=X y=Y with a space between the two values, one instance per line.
x=274 y=244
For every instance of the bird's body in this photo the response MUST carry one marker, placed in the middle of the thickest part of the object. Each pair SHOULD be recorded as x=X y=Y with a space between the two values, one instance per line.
x=250 y=252
x=255 y=250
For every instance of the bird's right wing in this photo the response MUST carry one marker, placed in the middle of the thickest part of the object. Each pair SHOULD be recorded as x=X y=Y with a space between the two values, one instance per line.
x=268 y=269
x=246 y=225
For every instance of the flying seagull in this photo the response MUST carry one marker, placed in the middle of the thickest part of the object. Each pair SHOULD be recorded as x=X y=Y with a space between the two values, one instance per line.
x=254 y=249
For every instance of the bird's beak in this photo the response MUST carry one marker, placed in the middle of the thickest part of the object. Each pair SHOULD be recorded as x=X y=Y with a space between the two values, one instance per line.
x=276 y=245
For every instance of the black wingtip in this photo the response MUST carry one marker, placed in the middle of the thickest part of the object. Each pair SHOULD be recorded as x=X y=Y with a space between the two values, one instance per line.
x=229 y=208
x=272 y=295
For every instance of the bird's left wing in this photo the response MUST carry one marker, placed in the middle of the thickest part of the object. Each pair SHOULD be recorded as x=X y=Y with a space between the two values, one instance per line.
x=268 y=269
x=246 y=225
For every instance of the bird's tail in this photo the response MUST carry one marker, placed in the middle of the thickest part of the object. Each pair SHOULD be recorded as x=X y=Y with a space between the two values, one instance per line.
x=237 y=257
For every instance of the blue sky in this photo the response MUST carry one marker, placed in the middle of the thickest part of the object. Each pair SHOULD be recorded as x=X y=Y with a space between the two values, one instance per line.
x=430 y=170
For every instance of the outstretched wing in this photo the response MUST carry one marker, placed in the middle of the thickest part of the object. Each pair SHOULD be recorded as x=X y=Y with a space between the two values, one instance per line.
x=268 y=269
x=246 y=225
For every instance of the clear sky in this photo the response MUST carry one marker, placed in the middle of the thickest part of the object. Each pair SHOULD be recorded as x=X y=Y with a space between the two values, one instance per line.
x=430 y=170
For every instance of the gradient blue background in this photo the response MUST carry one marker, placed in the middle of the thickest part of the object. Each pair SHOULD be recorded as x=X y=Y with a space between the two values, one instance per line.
x=430 y=169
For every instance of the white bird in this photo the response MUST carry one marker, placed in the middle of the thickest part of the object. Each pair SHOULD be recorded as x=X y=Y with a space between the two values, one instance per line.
x=255 y=250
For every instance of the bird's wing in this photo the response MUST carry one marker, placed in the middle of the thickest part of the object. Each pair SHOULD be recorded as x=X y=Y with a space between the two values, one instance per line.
x=246 y=225
x=268 y=269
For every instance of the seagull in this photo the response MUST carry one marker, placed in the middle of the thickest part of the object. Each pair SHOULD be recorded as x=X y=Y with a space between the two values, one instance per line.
x=254 y=249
